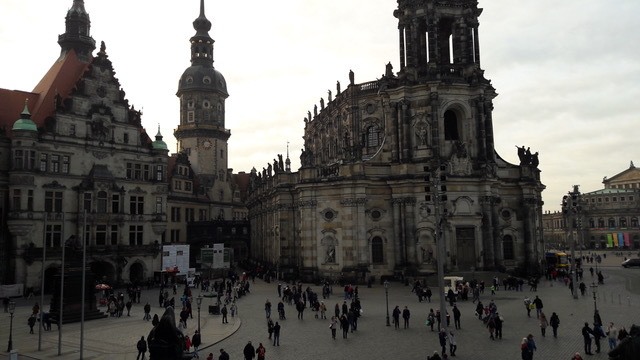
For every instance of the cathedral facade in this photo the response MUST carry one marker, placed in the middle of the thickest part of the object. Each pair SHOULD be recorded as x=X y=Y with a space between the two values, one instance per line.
x=77 y=165
x=390 y=165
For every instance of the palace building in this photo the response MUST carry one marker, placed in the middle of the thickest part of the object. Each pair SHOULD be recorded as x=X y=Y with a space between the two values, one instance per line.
x=76 y=164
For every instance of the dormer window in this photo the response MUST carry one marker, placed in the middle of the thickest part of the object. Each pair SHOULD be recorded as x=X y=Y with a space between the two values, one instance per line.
x=189 y=80
x=206 y=80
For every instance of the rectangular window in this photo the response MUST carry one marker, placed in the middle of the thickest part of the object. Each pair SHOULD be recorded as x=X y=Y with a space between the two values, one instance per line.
x=175 y=235
x=187 y=186
x=53 y=201
x=18 y=159
x=53 y=235
x=29 y=200
x=136 y=205
x=189 y=214
x=17 y=199
x=129 y=170
x=137 y=171
x=190 y=116
x=159 y=206
x=101 y=235
x=126 y=138
x=222 y=154
x=147 y=173
x=114 y=235
x=135 y=235
x=177 y=185
x=159 y=173
x=101 y=202
x=72 y=130
x=175 y=214
x=202 y=214
x=65 y=164
x=115 y=203
x=43 y=162
x=86 y=202
x=55 y=163
x=31 y=160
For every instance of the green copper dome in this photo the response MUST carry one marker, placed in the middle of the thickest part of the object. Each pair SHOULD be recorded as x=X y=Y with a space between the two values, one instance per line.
x=159 y=144
x=25 y=122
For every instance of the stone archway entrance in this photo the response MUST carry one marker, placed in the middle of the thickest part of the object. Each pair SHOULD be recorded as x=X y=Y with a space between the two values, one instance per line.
x=136 y=273
x=466 y=248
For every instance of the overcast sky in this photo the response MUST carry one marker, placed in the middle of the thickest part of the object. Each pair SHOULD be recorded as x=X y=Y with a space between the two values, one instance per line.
x=567 y=72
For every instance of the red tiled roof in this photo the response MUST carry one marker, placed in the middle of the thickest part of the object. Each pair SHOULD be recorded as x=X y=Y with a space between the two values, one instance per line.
x=60 y=79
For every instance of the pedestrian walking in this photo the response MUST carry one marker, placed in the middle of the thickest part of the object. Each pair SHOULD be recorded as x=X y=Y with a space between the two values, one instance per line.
x=224 y=312
x=129 y=305
x=498 y=320
x=142 y=348
x=598 y=333
x=249 y=351
x=223 y=355
x=554 y=321
x=431 y=319
x=538 y=304
x=344 y=325
x=528 y=305
x=267 y=308
x=270 y=326
x=396 y=317
x=543 y=323
x=586 y=336
x=531 y=347
x=333 y=325
x=456 y=316
x=147 y=312
x=406 y=314
x=233 y=309
x=31 y=322
x=612 y=336
x=453 y=345
x=597 y=320
x=442 y=338
x=261 y=351
x=196 y=341
x=524 y=349
x=323 y=310
x=276 y=334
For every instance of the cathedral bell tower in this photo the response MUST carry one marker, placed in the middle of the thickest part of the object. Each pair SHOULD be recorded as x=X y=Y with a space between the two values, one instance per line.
x=77 y=33
x=202 y=90
x=439 y=47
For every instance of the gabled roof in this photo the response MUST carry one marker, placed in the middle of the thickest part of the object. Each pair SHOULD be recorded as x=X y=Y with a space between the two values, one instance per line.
x=60 y=79
x=630 y=174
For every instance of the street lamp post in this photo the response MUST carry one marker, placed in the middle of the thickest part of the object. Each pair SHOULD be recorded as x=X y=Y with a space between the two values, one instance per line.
x=12 y=309
x=571 y=209
x=594 y=289
x=386 y=294
x=199 y=303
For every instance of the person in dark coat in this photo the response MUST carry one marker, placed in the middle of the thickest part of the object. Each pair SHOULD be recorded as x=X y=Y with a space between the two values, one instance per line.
x=165 y=341
x=629 y=347
x=249 y=351
x=196 y=341
x=396 y=317
x=223 y=355
x=456 y=316
x=586 y=336
x=276 y=334
x=142 y=348
x=554 y=321
x=406 y=314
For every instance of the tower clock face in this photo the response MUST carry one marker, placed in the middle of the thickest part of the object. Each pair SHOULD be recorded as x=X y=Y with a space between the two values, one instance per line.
x=206 y=144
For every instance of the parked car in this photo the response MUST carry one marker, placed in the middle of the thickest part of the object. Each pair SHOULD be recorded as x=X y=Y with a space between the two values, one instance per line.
x=631 y=263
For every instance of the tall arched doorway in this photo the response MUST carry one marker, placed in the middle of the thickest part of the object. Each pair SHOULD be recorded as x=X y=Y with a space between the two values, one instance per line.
x=136 y=273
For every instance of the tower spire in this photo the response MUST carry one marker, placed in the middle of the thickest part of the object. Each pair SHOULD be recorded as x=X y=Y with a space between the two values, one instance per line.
x=77 y=32
x=201 y=42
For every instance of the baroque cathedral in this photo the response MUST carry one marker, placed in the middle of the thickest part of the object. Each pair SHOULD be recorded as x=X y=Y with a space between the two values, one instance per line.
x=391 y=165
x=76 y=164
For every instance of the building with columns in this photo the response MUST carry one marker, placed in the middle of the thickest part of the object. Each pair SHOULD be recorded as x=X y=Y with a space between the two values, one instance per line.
x=361 y=203
x=608 y=217
x=76 y=164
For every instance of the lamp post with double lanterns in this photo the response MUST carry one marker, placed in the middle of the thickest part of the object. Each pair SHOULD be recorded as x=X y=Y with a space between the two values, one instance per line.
x=386 y=294
x=199 y=303
x=12 y=309
x=436 y=190
x=571 y=209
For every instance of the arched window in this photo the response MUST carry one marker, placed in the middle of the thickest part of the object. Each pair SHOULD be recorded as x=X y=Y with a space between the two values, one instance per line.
x=623 y=222
x=102 y=202
x=377 y=251
x=451 y=126
x=634 y=222
x=612 y=222
x=592 y=223
x=507 y=248
x=600 y=222
x=373 y=136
